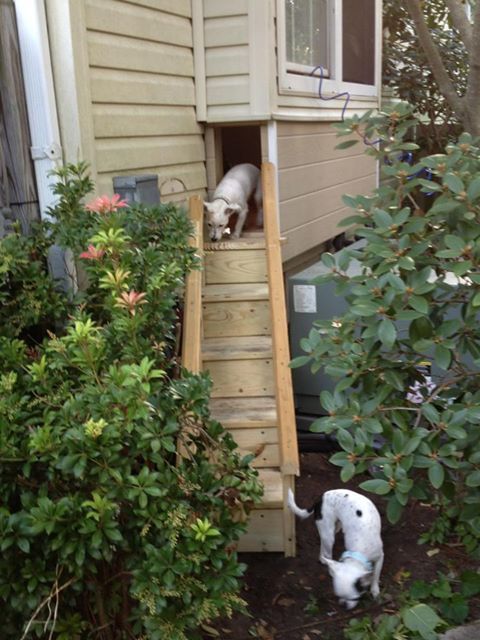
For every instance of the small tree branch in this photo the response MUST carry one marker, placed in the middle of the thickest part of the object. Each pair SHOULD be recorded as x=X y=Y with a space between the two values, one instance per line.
x=432 y=53
x=473 y=86
x=460 y=21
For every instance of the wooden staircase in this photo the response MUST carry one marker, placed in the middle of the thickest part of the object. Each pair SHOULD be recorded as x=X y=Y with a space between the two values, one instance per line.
x=235 y=328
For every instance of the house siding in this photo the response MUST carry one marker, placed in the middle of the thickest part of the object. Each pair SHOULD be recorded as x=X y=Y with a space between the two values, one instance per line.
x=138 y=64
x=312 y=177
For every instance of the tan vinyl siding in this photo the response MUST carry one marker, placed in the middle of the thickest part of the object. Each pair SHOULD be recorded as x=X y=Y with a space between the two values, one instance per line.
x=226 y=40
x=313 y=176
x=142 y=91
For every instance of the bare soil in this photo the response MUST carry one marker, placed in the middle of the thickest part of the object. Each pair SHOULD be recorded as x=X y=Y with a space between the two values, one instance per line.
x=292 y=598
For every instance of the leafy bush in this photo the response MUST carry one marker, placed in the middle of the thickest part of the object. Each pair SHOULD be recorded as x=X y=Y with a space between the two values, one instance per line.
x=414 y=306
x=105 y=531
x=426 y=608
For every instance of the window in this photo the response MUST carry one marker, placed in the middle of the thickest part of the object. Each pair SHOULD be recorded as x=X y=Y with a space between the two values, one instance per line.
x=340 y=36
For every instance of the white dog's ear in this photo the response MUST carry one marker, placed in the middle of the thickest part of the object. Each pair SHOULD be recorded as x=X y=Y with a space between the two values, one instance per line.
x=233 y=208
x=207 y=206
x=331 y=564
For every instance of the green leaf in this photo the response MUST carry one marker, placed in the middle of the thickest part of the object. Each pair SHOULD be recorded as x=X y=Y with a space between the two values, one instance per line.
x=346 y=144
x=422 y=619
x=418 y=303
x=347 y=472
x=378 y=486
x=454 y=242
x=443 y=357
x=473 y=191
x=394 y=510
x=436 y=475
x=454 y=183
x=387 y=333
x=300 y=361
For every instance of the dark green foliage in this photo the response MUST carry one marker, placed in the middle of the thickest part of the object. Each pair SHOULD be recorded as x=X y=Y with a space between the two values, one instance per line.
x=416 y=301
x=407 y=72
x=105 y=532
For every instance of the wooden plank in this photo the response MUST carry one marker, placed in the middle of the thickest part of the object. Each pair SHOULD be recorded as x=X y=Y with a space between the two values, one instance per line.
x=133 y=153
x=245 y=412
x=135 y=120
x=235 y=267
x=262 y=443
x=140 y=22
x=283 y=377
x=132 y=87
x=241 y=378
x=18 y=190
x=119 y=52
x=297 y=151
x=217 y=292
x=249 y=318
x=289 y=535
x=191 y=340
x=264 y=533
x=248 y=241
x=272 y=482
x=236 y=348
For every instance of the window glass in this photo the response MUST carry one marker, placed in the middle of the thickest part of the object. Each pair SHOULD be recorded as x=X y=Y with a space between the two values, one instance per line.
x=306 y=30
x=359 y=41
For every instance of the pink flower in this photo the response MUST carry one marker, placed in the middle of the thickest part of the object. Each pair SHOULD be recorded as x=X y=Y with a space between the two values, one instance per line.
x=93 y=253
x=105 y=204
x=130 y=299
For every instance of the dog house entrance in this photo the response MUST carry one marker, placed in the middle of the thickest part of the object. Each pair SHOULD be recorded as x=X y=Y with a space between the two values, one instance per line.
x=234 y=145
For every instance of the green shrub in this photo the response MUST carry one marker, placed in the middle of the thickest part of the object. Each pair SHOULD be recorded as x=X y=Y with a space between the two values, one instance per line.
x=105 y=531
x=416 y=300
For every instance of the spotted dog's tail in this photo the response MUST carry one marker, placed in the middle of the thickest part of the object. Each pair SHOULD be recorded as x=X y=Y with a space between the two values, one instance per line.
x=301 y=513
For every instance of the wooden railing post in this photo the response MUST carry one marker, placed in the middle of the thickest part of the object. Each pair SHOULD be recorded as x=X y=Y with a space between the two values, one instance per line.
x=192 y=313
x=281 y=352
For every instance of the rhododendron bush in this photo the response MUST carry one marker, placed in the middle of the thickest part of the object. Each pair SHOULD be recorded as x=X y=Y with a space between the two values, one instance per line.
x=105 y=532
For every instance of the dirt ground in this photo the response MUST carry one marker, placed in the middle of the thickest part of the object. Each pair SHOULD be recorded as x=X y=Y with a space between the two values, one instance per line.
x=292 y=598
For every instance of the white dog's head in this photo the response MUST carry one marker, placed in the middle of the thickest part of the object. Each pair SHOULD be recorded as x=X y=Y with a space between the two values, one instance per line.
x=350 y=581
x=218 y=214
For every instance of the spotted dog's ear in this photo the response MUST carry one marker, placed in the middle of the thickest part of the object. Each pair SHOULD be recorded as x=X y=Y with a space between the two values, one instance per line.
x=333 y=565
x=208 y=206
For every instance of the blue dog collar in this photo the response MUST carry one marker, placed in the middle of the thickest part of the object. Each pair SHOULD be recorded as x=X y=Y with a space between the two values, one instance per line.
x=356 y=555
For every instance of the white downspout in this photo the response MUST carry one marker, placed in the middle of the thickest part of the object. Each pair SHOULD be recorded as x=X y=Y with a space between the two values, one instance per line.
x=46 y=150
x=38 y=80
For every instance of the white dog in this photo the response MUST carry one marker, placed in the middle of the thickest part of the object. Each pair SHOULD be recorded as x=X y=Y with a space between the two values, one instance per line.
x=360 y=565
x=231 y=196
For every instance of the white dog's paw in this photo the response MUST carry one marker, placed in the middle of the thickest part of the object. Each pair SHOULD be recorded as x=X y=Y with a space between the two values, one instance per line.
x=375 y=590
x=235 y=235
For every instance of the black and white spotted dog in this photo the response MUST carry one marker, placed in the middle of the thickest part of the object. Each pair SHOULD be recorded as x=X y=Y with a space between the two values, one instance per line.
x=361 y=563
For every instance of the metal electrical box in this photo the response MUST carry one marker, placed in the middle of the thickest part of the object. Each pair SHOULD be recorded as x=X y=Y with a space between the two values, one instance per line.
x=141 y=188
x=309 y=302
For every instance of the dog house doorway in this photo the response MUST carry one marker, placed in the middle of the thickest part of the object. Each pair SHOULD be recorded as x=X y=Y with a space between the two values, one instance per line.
x=228 y=146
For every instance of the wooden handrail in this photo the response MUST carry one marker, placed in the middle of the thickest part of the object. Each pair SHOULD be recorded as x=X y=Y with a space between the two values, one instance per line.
x=283 y=378
x=192 y=314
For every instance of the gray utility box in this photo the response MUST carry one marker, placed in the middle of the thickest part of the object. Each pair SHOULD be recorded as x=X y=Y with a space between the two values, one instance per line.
x=309 y=302
x=142 y=188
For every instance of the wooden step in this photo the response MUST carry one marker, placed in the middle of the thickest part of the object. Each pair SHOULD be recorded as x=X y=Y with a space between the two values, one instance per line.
x=272 y=482
x=261 y=443
x=240 y=244
x=241 y=378
x=236 y=413
x=237 y=348
x=235 y=292
x=265 y=532
x=236 y=318
x=223 y=267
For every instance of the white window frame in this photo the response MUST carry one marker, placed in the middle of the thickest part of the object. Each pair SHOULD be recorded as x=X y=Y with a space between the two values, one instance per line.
x=291 y=83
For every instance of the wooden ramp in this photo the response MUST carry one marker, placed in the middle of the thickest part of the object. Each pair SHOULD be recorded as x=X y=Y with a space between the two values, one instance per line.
x=236 y=328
